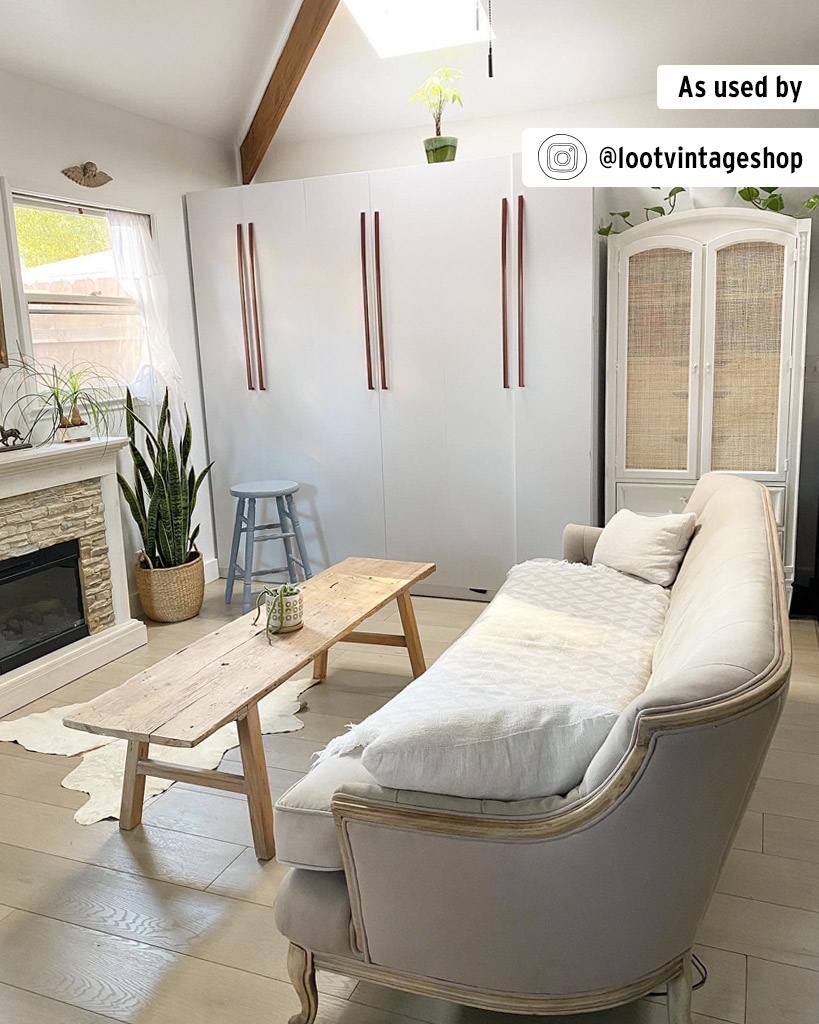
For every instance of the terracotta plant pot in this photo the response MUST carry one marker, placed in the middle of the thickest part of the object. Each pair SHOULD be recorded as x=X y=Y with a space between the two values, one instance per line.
x=293 y=618
x=440 y=148
x=172 y=595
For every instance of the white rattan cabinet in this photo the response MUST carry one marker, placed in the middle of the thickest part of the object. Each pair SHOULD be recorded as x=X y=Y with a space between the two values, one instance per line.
x=705 y=358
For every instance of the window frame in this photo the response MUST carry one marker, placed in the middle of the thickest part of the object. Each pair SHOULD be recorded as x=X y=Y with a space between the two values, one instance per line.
x=19 y=197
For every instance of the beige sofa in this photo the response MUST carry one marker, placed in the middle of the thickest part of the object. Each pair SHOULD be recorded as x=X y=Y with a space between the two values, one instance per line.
x=562 y=905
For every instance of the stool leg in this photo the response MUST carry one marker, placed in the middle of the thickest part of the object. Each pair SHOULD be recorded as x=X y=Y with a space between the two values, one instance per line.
x=294 y=519
x=234 y=549
x=250 y=527
x=287 y=541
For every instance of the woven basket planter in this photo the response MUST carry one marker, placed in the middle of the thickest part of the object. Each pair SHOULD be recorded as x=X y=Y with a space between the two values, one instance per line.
x=171 y=595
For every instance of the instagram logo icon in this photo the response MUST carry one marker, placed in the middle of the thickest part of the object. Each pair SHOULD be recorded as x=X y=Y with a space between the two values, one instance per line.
x=562 y=156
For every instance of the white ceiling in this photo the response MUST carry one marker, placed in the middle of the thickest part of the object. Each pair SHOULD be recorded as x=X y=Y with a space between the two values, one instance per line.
x=202 y=64
x=197 y=64
x=548 y=53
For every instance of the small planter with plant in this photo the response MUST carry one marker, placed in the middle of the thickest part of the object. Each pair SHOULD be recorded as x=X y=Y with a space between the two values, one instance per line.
x=70 y=403
x=284 y=608
x=435 y=94
x=170 y=573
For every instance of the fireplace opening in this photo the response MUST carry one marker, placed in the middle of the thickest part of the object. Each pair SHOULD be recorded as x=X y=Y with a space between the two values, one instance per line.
x=41 y=605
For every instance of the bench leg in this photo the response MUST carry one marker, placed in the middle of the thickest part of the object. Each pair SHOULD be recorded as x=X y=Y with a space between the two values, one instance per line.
x=410 y=627
x=257 y=784
x=320 y=666
x=133 y=786
x=303 y=978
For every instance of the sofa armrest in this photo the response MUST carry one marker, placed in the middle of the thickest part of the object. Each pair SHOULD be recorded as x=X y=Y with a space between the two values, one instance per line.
x=579 y=542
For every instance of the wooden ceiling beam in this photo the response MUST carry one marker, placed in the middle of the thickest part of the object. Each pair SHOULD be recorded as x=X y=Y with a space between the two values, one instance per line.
x=305 y=35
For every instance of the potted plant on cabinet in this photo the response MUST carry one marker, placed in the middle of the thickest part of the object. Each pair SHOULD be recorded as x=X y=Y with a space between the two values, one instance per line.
x=435 y=94
x=170 y=575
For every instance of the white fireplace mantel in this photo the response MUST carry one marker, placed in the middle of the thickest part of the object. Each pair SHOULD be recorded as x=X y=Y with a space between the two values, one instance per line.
x=32 y=470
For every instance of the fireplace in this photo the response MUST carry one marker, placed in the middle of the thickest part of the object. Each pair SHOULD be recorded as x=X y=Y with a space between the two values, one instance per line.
x=41 y=605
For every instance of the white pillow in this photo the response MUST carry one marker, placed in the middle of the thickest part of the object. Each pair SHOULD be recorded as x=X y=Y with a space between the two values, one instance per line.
x=511 y=751
x=650 y=547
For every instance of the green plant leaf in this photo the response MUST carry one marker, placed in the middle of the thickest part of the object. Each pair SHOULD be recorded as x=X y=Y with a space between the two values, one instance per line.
x=605 y=230
x=656 y=209
x=748 y=194
x=812 y=203
x=774 y=202
x=675 y=192
x=769 y=190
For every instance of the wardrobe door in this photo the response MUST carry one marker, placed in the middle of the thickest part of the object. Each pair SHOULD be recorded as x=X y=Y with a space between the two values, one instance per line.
x=749 y=324
x=447 y=419
x=280 y=299
x=345 y=434
x=659 y=283
x=555 y=428
x=216 y=231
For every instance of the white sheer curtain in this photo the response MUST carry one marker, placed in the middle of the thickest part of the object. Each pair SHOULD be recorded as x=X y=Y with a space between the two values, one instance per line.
x=140 y=272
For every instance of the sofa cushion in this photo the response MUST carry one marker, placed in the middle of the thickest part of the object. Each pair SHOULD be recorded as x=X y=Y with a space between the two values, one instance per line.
x=312 y=909
x=648 y=547
x=303 y=822
x=561 y=631
x=514 y=751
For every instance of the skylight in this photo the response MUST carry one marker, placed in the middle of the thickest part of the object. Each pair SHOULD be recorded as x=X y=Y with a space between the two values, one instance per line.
x=396 y=27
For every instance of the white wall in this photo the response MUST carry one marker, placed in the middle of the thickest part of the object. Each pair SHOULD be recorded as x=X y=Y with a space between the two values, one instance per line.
x=496 y=136
x=43 y=130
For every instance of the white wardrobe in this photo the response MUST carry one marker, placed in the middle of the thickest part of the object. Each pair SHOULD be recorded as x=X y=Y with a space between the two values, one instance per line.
x=414 y=346
x=705 y=365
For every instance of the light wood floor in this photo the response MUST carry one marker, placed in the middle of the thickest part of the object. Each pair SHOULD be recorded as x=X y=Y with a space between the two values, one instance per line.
x=173 y=923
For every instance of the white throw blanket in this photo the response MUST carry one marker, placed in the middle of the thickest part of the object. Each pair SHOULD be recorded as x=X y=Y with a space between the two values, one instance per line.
x=559 y=630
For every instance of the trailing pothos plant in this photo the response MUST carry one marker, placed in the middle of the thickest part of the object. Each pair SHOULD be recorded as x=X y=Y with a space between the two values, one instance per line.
x=772 y=199
x=669 y=201
x=163 y=495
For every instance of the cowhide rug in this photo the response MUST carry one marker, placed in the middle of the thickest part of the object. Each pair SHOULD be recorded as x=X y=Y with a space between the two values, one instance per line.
x=100 y=772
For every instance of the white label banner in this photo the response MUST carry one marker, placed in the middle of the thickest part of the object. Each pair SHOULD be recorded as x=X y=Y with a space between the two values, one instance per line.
x=738 y=86
x=671 y=156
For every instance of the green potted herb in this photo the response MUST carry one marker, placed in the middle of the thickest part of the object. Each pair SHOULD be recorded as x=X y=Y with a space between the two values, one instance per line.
x=435 y=94
x=284 y=608
x=170 y=575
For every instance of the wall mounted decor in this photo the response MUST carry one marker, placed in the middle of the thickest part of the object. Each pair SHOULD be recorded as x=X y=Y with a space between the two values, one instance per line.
x=87 y=174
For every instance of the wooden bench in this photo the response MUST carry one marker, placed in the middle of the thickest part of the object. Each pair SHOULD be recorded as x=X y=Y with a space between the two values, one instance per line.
x=221 y=678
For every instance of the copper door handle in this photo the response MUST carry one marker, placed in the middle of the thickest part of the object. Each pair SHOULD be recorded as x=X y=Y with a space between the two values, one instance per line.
x=240 y=245
x=366 y=294
x=520 y=293
x=378 y=300
x=504 y=296
x=251 y=244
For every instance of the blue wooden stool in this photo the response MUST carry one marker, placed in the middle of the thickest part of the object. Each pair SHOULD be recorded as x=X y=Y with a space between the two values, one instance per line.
x=286 y=530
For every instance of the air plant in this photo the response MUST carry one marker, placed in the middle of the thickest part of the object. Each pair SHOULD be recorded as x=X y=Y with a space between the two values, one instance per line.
x=58 y=397
x=275 y=608
x=163 y=495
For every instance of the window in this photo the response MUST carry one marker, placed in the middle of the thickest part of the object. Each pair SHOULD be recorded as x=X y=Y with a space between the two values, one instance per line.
x=78 y=310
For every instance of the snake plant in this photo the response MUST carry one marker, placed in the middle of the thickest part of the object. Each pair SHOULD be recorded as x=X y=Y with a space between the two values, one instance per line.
x=276 y=606
x=163 y=495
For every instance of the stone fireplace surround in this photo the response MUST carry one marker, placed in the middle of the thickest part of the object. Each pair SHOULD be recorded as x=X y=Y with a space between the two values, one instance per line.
x=63 y=492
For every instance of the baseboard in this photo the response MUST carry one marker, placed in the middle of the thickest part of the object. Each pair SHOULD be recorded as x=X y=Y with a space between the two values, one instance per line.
x=211 y=570
x=23 y=685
